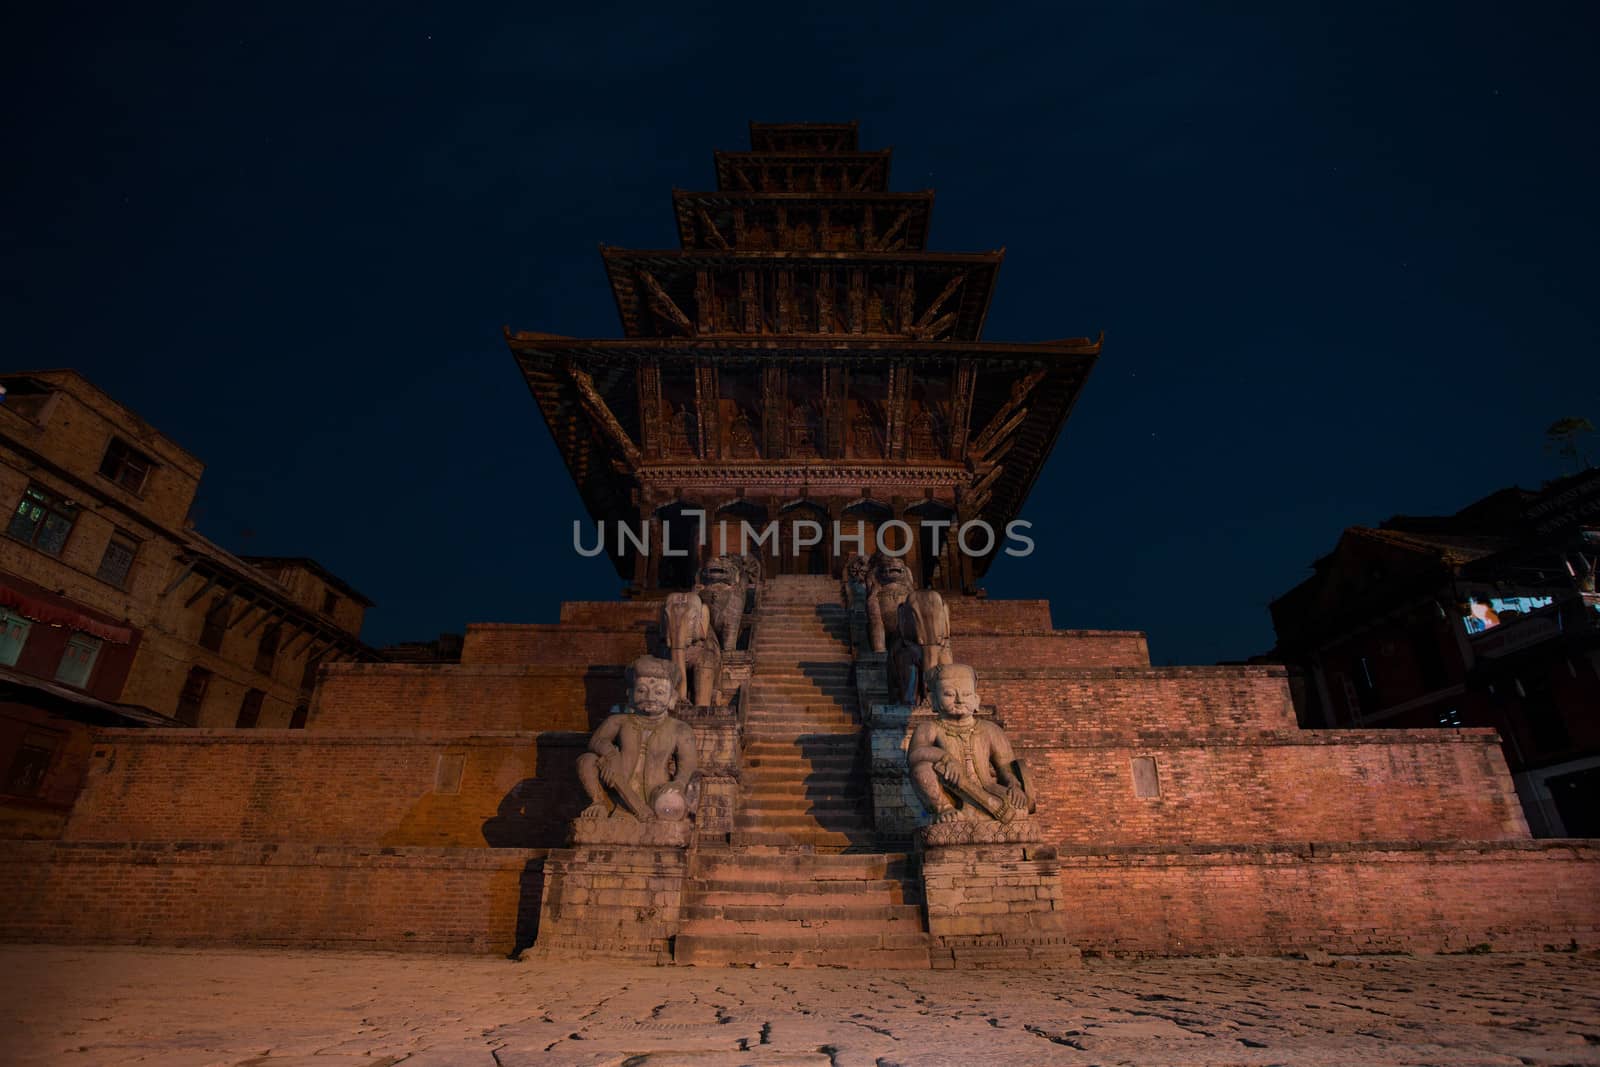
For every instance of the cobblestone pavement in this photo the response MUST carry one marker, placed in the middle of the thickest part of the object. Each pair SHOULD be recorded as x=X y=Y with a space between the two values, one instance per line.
x=323 y=1009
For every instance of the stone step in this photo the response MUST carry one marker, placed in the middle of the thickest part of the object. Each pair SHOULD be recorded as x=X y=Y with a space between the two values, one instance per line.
x=778 y=919
x=816 y=839
x=835 y=823
x=903 y=952
x=798 y=867
x=763 y=808
x=838 y=891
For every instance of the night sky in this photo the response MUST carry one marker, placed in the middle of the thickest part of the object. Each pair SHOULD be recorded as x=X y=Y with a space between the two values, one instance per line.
x=1345 y=259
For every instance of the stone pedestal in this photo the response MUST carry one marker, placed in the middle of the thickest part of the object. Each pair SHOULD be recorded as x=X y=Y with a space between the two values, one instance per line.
x=996 y=905
x=613 y=901
x=897 y=811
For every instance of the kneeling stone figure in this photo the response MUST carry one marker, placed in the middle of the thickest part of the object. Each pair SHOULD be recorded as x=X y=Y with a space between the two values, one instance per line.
x=641 y=761
x=962 y=766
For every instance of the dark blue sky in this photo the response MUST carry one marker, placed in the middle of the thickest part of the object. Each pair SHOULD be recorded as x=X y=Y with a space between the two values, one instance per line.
x=1344 y=255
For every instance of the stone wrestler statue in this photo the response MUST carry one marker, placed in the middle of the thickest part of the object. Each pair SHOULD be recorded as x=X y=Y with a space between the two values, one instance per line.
x=640 y=761
x=962 y=766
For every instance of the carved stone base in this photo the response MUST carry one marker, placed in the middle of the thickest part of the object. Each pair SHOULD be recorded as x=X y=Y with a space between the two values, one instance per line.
x=996 y=906
x=611 y=902
x=979 y=832
x=621 y=830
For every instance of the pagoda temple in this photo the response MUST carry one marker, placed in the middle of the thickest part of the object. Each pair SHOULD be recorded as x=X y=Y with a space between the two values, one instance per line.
x=803 y=355
x=817 y=761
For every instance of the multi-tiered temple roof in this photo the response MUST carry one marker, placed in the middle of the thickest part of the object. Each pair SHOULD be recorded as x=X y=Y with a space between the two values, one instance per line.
x=803 y=354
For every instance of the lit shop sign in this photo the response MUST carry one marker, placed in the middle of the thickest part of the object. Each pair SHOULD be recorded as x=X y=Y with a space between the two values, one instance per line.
x=1484 y=612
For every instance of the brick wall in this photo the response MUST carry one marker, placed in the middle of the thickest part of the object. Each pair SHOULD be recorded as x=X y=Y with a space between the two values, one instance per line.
x=1333 y=897
x=1054 y=648
x=610 y=614
x=434 y=900
x=1149 y=901
x=1424 y=785
x=977 y=616
x=404 y=698
x=509 y=790
x=509 y=643
x=1089 y=704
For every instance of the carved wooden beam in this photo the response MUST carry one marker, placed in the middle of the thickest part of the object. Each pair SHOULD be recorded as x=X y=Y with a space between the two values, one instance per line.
x=750 y=301
x=923 y=323
x=705 y=304
x=857 y=309
x=785 y=280
x=649 y=378
x=906 y=306
x=663 y=305
x=961 y=391
x=825 y=300
x=893 y=230
x=705 y=415
x=600 y=415
x=774 y=410
x=1019 y=392
x=895 y=409
x=713 y=234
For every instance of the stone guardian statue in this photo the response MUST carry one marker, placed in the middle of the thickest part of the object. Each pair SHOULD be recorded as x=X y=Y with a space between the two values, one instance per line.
x=962 y=767
x=641 y=761
x=923 y=643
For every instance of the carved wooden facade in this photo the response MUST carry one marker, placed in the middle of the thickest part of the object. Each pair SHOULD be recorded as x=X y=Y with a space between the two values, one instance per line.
x=803 y=353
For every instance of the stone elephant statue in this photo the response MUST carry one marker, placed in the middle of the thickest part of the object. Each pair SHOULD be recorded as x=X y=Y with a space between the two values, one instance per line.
x=691 y=640
x=922 y=643
x=721 y=586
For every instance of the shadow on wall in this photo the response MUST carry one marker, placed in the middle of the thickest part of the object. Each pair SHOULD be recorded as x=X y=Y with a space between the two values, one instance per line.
x=537 y=811
x=530 y=896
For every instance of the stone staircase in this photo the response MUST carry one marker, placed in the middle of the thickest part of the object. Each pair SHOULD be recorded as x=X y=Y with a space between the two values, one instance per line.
x=800 y=881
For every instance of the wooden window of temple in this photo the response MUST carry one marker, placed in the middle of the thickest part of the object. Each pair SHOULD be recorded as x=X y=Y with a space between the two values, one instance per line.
x=126 y=465
x=43 y=520
x=267 y=650
x=193 y=696
x=117 y=561
x=250 y=709
x=215 y=626
x=1146 y=783
x=297 y=721
x=30 y=764
x=13 y=635
x=330 y=601
x=78 y=660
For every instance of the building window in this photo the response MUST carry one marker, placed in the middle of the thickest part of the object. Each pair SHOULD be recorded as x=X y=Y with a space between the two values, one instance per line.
x=297 y=721
x=126 y=465
x=77 y=662
x=26 y=396
x=13 y=635
x=118 y=560
x=216 y=625
x=308 y=678
x=193 y=696
x=25 y=777
x=267 y=650
x=250 y=709
x=43 y=520
x=330 y=601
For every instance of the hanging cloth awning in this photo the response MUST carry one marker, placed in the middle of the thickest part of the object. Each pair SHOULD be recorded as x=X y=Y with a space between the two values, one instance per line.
x=32 y=607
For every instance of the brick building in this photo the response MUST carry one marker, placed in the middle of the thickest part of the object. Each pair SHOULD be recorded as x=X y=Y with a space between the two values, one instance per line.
x=1487 y=617
x=115 y=611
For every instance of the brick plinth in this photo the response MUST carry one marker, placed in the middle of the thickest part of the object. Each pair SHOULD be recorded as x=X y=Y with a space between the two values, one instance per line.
x=307 y=896
x=1404 y=897
x=612 y=901
x=996 y=906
